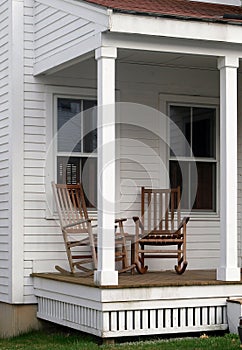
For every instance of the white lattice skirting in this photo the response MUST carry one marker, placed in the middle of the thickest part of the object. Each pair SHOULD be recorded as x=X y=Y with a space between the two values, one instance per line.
x=134 y=322
x=134 y=311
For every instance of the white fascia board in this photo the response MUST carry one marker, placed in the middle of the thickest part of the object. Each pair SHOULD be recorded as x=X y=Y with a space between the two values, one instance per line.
x=93 y=13
x=16 y=151
x=171 y=45
x=73 y=55
x=175 y=28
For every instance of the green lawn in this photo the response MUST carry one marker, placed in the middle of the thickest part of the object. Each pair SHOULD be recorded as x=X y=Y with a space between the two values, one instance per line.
x=69 y=340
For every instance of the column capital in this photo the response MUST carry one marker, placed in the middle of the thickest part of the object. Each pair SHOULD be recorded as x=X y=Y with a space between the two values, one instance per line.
x=106 y=52
x=228 y=61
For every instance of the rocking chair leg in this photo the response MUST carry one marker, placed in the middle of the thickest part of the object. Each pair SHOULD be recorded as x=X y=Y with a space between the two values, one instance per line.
x=180 y=269
x=181 y=265
x=140 y=267
x=142 y=257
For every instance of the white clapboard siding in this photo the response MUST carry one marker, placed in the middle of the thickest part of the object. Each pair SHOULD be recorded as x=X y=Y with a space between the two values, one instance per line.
x=4 y=152
x=36 y=228
x=56 y=30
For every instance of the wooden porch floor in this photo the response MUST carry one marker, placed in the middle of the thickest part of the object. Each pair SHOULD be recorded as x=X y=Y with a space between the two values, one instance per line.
x=150 y=279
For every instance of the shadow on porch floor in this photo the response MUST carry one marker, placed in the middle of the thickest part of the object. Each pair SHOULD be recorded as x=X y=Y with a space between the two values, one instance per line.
x=150 y=279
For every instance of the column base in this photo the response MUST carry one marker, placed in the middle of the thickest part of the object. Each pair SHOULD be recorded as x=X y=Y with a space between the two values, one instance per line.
x=228 y=274
x=106 y=278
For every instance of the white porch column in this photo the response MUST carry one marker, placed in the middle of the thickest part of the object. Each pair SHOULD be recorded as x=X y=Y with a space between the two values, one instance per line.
x=106 y=274
x=228 y=269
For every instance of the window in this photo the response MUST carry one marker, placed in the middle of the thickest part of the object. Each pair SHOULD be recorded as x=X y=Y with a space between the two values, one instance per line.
x=198 y=126
x=77 y=144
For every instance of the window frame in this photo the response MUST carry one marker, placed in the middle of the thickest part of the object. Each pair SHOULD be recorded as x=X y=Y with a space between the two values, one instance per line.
x=203 y=102
x=51 y=94
x=50 y=167
x=79 y=155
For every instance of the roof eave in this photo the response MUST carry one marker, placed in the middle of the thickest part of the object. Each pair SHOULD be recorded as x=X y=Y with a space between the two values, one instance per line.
x=176 y=27
x=180 y=17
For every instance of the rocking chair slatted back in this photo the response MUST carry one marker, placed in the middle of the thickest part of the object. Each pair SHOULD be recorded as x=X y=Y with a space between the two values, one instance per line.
x=160 y=209
x=71 y=207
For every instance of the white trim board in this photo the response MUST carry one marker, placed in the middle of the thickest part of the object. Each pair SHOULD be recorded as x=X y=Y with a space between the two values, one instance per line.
x=17 y=152
x=175 y=28
x=170 y=44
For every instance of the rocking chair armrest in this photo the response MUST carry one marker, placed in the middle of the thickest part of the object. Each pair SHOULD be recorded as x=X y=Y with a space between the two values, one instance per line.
x=120 y=220
x=76 y=223
x=183 y=222
x=138 y=221
x=92 y=219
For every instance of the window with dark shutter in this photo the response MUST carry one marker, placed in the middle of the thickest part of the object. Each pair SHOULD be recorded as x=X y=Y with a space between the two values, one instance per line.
x=77 y=145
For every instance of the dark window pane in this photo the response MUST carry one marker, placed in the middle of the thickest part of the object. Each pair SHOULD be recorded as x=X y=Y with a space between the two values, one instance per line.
x=206 y=189
x=181 y=117
x=179 y=176
x=89 y=126
x=69 y=125
x=182 y=173
x=87 y=104
x=89 y=181
x=203 y=132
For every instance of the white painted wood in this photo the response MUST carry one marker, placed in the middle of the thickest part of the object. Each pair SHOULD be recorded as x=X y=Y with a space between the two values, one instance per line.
x=64 y=31
x=228 y=269
x=234 y=311
x=114 y=322
x=151 y=25
x=129 y=320
x=16 y=151
x=80 y=308
x=5 y=229
x=81 y=9
x=68 y=57
x=106 y=273
x=172 y=45
x=223 y=2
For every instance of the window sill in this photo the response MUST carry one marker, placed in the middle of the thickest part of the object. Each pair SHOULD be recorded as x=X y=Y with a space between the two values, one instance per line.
x=208 y=216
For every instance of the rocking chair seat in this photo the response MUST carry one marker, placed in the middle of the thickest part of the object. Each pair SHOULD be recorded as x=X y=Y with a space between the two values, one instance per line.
x=168 y=238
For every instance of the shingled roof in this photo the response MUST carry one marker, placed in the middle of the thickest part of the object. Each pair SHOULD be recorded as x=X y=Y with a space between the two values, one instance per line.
x=185 y=9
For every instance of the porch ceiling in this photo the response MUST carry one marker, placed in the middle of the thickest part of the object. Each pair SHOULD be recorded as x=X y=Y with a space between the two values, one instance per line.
x=126 y=56
x=166 y=59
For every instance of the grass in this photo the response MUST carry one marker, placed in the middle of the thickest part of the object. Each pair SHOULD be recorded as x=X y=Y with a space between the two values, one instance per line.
x=70 y=340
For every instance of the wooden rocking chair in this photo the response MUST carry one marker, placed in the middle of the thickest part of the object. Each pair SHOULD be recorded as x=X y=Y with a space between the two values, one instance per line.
x=77 y=229
x=159 y=227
